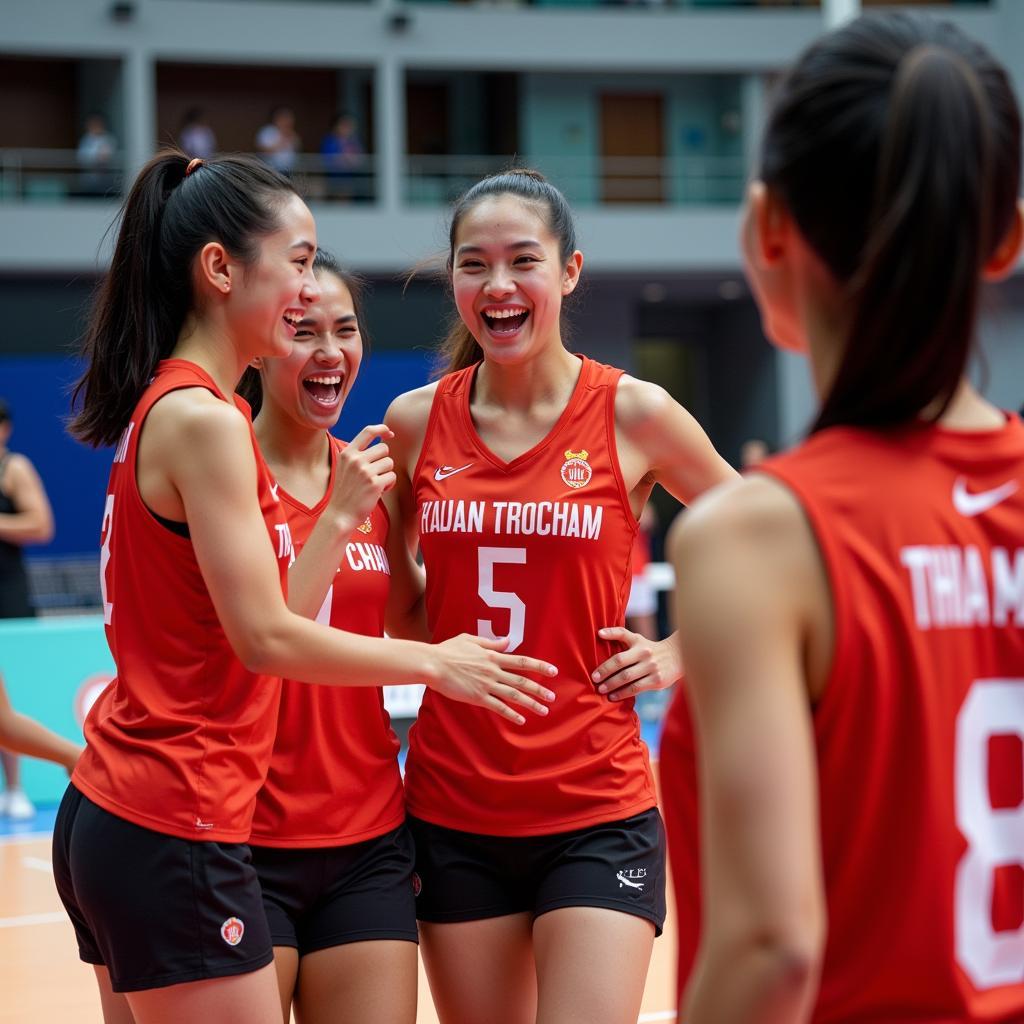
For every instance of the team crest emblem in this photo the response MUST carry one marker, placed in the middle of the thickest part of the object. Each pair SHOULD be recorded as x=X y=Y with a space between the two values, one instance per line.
x=576 y=471
x=232 y=930
x=366 y=526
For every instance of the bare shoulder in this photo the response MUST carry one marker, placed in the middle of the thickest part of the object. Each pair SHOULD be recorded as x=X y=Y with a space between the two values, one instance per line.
x=17 y=467
x=639 y=402
x=409 y=412
x=194 y=422
x=755 y=522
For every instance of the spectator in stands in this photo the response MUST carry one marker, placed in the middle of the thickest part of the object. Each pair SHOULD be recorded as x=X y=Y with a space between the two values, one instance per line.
x=344 y=158
x=25 y=518
x=196 y=137
x=95 y=155
x=278 y=142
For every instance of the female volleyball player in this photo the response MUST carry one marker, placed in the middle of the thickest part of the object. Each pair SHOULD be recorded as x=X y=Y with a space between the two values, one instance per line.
x=212 y=268
x=851 y=615
x=329 y=840
x=522 y=473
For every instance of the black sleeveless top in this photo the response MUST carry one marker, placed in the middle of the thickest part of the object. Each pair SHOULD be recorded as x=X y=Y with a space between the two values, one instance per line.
x=14 y=599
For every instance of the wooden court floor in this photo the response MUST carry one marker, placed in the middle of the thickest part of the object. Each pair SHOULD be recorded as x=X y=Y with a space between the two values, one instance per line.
x=42 y=980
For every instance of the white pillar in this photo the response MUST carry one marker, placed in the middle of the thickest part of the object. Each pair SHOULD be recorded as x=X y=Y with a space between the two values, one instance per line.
x=139 y=109
x=837 y=12
x=389 y=116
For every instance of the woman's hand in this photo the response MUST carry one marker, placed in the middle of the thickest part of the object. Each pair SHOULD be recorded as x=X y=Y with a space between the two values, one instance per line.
x=363 y=472
x=474 y=670
x=644 y=664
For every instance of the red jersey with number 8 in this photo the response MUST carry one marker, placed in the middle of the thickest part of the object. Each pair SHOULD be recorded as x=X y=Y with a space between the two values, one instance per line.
x=180 y=740
x=536 y=550
x=919 y=731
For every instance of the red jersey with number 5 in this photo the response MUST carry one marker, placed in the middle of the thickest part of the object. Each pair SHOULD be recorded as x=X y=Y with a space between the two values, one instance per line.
x=180 y=740
x=536 y=550
x=920 y=727
x=334 y=777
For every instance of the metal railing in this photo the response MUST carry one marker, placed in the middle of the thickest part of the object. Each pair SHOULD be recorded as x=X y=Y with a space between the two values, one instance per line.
x=56 y=175
x=589 y=180
x=53 y=175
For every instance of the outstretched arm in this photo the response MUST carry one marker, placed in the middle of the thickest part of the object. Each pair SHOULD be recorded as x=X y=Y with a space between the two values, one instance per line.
x=24 y=735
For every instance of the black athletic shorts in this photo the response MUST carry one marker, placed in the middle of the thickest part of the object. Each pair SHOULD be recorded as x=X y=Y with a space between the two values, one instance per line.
x=154 y=909
x=463 y=876
x=323 y=897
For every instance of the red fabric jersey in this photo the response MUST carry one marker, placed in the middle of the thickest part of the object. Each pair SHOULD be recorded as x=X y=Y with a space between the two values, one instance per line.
x=537 y=549
x=180 y=740
x=919 y=730
x=334 y=776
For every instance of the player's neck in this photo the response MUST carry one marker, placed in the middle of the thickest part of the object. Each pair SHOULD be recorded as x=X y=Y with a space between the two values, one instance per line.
x=210 y=347
x=547 y=378
x=290 y=446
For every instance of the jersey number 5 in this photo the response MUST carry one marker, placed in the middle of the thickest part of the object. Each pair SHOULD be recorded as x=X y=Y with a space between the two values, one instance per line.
x=995 y=836
x=487 y=558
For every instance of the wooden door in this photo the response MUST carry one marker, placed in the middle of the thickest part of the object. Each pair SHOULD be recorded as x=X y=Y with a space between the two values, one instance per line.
x=632 y=148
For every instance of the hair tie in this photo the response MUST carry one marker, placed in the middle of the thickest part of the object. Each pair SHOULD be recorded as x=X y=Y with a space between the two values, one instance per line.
x=194 y=164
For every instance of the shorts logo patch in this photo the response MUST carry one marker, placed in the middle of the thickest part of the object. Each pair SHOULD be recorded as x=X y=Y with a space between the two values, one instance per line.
x=417 y=884
x=631 y=877
x=576 y=471
x=232 y=930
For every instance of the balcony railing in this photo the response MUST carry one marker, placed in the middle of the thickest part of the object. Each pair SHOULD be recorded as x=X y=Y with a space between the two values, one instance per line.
x=590 y=180
x=56 y=175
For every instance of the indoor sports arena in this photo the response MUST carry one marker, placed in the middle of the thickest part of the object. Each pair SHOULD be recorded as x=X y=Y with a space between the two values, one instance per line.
x=689 y=337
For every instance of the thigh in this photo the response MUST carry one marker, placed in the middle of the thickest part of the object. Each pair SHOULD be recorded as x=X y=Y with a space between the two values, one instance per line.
x=591 y=965
x=251 y=997
x=286 y=965
x=115 y=1006
x=481 y=970
x=358 y=982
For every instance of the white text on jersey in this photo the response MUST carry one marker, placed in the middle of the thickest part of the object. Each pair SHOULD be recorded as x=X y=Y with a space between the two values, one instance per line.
x=952 y=587
x=513 y=518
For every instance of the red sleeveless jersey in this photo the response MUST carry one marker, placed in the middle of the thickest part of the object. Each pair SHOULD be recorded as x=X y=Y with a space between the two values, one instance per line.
x=536 y=549
x=919 y=731
x=180 y=740
x=334 y=776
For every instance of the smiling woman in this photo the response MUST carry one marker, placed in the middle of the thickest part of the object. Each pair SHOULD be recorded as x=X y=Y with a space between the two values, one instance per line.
x=521 y=474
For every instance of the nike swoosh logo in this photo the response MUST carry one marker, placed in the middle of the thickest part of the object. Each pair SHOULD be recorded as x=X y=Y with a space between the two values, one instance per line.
x=970 y=505
x=443 y=472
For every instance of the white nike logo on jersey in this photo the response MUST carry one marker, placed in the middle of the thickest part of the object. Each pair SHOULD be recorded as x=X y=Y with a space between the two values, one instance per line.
x=443 y=472
x=968 y=504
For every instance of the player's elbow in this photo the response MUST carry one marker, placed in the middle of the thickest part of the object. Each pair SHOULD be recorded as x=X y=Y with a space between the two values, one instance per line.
x=261 y=650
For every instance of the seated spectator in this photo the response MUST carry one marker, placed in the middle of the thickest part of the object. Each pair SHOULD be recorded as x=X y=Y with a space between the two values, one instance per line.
x=344 y=158
x=95 y=155
x=196 y=137
x=278 y=142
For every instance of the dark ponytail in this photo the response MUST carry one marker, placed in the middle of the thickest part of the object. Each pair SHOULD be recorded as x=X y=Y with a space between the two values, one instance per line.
x=895 y=143
x=147 y=294
x=250 y=387
x=460 y=348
